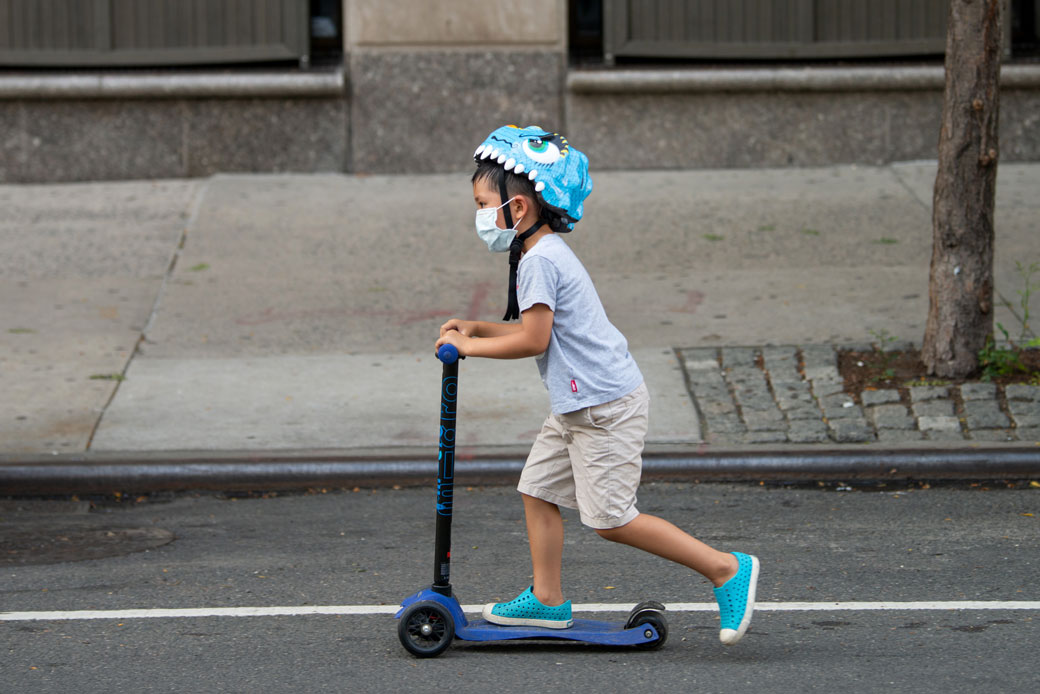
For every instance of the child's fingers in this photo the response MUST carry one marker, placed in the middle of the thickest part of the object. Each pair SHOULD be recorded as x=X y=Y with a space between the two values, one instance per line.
x=452 y=324
x=446 y=337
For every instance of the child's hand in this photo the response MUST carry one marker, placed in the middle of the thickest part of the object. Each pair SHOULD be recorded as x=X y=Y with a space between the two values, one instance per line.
x=466 y=327
x=456 y=338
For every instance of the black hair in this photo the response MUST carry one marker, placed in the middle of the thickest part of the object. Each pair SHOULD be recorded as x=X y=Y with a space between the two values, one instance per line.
x=516 y=184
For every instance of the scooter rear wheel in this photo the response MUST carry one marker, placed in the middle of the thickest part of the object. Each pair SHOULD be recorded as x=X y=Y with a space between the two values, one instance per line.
x=649 y=613
x=426 y=629
x=655 y=619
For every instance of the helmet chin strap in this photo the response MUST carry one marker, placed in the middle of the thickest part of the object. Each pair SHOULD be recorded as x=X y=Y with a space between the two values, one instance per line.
x=516 y=248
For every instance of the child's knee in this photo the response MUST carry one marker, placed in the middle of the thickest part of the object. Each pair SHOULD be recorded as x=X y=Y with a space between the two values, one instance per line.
x=612 y=534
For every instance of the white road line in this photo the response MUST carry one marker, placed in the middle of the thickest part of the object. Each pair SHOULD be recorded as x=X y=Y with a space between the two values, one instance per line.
x=580 y=607
x=866 y=606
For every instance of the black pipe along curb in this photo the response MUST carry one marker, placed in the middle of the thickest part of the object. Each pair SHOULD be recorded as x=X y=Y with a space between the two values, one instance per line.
x=84 y=474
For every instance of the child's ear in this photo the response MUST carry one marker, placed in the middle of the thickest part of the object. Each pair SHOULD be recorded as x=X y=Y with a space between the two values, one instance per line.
x=524 y=205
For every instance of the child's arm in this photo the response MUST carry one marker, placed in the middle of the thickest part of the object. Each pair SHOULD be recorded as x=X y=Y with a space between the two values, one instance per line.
x=478 y=328
x=505 y=341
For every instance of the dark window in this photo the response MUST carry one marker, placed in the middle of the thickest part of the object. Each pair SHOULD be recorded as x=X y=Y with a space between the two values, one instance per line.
x=131 y=33
x=1025 y=28
x=326 y=31
x=586 y=31
x=672 y=30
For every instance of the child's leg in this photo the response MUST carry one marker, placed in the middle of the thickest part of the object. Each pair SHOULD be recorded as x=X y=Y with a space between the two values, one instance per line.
x=658 y=536
x=542 y=605
x=545 y=536
x=608 y=441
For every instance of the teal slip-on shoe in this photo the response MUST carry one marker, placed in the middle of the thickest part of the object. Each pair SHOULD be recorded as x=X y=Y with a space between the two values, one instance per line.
x=736 y=600
x=527 y=611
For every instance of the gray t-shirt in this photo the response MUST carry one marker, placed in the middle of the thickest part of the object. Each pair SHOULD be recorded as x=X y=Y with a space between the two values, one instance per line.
x=587 y=362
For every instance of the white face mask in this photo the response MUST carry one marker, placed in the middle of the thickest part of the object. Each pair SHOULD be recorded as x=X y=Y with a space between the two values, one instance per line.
x=496 y=238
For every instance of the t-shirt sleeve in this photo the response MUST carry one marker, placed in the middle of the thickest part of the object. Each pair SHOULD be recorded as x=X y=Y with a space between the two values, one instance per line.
x=538 y=282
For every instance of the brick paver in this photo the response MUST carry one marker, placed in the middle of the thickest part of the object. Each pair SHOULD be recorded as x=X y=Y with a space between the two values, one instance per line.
x=794 y=393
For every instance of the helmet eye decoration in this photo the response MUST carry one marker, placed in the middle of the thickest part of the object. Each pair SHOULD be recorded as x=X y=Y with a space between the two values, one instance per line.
x=545 y=151
x=559 y=173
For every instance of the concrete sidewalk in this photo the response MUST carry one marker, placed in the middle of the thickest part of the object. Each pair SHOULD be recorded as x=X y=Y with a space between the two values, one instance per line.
x=254 y=316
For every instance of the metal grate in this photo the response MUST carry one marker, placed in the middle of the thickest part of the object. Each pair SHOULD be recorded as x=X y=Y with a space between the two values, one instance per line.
x=78 y=33
x=773 y=28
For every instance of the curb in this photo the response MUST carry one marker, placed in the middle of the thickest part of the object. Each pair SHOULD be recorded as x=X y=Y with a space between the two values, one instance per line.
x=86 y=473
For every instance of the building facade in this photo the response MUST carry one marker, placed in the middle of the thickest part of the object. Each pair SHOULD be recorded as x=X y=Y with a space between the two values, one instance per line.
x=128 y=89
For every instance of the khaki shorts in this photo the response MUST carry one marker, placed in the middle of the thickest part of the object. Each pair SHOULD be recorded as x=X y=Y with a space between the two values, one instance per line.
x=591 y=460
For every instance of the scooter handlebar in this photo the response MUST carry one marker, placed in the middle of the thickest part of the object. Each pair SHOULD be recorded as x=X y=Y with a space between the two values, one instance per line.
x=448 y=354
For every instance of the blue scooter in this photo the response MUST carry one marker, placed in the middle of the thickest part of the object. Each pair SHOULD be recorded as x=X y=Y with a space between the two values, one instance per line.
x=431 y=618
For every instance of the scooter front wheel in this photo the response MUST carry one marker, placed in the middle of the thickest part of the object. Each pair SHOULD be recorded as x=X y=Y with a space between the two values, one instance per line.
x=426 y=629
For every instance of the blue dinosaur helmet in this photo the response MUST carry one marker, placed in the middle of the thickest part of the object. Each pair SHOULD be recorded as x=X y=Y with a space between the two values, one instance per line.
x=559 y=172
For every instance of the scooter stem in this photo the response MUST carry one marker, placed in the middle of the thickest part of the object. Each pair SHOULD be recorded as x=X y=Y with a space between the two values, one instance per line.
x=446 y=469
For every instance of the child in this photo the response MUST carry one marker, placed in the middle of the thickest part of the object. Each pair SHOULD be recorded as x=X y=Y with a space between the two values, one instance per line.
x=529 y=187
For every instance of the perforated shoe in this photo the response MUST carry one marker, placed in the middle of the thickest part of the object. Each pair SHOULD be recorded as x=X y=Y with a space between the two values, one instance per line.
x=527 y=611
x=736 y=600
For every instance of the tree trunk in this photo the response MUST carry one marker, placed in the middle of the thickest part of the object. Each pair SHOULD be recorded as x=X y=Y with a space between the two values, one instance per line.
x=960 y=290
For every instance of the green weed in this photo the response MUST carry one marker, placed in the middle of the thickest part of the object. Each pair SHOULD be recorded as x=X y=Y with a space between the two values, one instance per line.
x=108 y=377
x=1000 y=361
x=886 y=357
x=926 y=382
x=1003 y=361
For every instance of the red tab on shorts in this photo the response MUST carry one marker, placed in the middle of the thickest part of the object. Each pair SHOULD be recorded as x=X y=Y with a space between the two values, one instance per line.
x=574 y=386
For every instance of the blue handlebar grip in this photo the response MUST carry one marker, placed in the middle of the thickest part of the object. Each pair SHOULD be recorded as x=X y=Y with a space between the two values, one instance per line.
x=448 y=354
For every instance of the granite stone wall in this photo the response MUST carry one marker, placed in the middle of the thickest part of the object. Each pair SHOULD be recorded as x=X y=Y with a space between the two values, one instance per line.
x=426 y=86
x=427 y=112
x=706 y=129
x=57 y=140
x=423 y=112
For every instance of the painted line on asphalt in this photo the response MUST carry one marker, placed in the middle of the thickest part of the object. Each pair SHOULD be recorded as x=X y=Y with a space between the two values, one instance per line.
x=365 y=610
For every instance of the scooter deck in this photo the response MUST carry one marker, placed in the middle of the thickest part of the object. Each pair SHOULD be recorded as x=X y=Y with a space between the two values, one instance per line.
x=585 y=630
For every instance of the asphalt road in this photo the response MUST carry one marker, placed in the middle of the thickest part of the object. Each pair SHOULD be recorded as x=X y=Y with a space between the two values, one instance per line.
x=372 y=548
